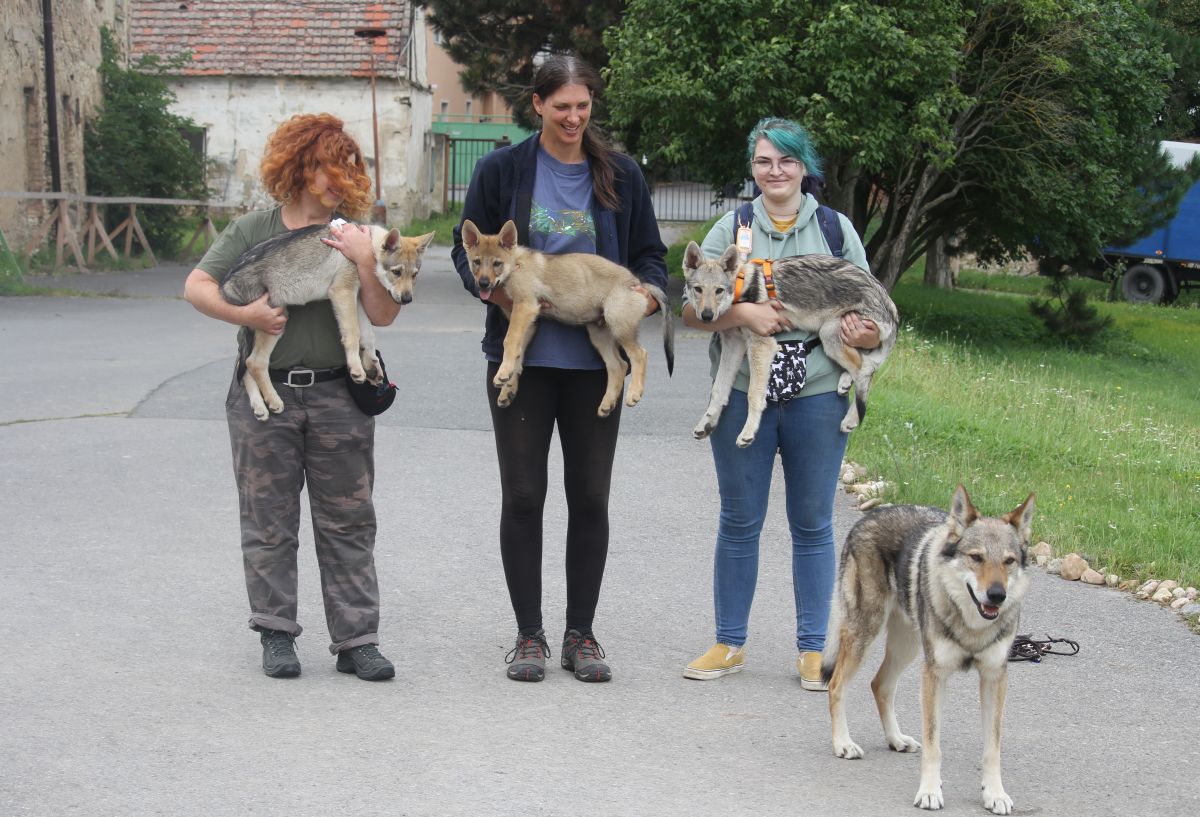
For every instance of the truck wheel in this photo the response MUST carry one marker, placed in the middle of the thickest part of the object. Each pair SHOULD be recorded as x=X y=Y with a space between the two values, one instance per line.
x=1144 y=284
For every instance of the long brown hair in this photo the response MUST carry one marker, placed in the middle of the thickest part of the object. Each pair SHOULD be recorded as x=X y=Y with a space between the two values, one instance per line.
x=566 y=69
x=307 y=143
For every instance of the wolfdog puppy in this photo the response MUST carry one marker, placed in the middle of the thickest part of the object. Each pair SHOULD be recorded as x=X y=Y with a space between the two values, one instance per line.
x=815 y=291
x=950 y=584
x=296 y=268
x=577 y=288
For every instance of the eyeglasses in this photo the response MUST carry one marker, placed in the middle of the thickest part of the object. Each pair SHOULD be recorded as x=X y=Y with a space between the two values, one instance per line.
x=787 y=165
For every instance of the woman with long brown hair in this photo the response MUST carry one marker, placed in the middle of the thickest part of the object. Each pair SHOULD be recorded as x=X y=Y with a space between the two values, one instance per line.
x=568 y=191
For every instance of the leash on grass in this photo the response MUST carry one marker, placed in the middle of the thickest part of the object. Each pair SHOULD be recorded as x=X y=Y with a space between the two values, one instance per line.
x=1027 y=648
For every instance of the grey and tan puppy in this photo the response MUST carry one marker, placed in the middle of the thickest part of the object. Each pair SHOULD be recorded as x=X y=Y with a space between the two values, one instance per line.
x=297 y=268
x=946 y=584
x=815 y=292
x=576 y=288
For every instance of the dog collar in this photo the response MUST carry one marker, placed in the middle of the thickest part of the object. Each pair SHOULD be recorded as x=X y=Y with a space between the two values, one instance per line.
x=740 y=282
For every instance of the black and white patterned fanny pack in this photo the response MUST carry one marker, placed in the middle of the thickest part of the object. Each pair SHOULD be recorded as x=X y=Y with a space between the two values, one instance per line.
x=789 y=368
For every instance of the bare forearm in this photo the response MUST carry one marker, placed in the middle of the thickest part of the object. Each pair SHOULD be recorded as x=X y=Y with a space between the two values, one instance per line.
x=381 y=309
x=202 y=292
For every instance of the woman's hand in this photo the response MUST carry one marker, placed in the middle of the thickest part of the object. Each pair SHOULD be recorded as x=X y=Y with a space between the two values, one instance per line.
x=651 y=304
x=859 y=332
x=262 y=317
x=762 y=319
x=354 y=242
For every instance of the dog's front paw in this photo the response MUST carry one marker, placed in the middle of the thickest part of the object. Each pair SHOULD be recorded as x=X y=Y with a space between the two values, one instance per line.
x=357 y=374
x=847 y=749
x=507 y=392
x=844 y=383
x=745 y=440
x=997 y=801
x=849 y=425
x=903 y=743
x=275 y=404
x=503 y=375
x=930 y=799
x=702 y=430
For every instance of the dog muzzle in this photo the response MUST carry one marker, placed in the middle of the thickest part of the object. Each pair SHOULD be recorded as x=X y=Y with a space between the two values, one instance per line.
x=989 y=609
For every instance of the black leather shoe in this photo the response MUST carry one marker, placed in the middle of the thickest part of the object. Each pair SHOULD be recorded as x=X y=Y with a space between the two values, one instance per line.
x=366 y=663
x=279 y=654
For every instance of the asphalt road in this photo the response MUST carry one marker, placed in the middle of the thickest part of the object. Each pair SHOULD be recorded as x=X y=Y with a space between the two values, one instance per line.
x=131 y=685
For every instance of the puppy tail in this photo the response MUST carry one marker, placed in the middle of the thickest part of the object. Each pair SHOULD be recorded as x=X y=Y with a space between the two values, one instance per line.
x=668 y=316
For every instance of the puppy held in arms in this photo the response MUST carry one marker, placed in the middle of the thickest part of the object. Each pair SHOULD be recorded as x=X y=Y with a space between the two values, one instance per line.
x=297 y=268
x=815 y=291
x=575 y=288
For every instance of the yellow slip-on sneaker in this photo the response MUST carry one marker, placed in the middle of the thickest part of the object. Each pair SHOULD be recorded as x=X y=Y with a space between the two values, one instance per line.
x=721 y=659
x=809 y=667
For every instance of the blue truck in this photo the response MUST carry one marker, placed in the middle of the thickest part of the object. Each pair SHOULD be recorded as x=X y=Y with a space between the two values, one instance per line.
x=1164 y=263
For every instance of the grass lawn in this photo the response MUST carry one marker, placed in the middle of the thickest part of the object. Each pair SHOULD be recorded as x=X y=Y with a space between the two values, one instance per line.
x=1108 y=437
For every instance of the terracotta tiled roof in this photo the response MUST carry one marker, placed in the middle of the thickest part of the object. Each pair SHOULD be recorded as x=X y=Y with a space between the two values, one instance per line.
x=265 y=38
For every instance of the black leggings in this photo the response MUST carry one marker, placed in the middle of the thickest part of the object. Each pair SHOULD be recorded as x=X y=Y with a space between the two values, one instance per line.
x=523 y=431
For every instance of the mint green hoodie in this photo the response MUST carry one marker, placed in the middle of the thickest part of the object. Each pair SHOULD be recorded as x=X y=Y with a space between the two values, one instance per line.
x=803 y=238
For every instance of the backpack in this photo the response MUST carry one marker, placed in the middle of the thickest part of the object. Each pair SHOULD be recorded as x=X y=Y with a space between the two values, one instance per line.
x=827 y=218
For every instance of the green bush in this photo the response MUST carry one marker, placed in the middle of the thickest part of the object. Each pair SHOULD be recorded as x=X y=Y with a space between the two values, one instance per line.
x=135 y=147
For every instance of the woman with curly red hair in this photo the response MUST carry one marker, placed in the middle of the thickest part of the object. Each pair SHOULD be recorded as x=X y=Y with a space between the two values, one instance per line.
x=315 y=171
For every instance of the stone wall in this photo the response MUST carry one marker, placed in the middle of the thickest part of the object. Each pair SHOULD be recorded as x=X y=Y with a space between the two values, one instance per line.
x=24 y=132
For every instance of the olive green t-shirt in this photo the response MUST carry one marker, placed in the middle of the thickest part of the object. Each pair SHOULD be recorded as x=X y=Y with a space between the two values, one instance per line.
x=311 y=336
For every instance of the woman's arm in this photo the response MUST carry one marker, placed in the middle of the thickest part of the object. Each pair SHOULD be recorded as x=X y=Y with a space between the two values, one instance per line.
x=203 y=292
x=354 y=242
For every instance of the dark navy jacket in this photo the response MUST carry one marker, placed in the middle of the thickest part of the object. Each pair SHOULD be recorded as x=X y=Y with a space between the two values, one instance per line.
x=502 y=188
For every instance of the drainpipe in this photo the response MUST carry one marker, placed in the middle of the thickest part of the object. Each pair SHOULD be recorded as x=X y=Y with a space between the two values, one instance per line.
x=51 y=95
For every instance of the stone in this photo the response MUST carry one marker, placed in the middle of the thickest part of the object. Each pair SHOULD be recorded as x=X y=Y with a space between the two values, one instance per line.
x=1191 y=609
x=1191 y=593
x=1179 y=593
x=1179 y=603
x=1092 y=577
x=1149 y=587
x=1162 y=595
x=1073 y=566
x=1042 y=549
x=1054 y=566
x=1128 y=584
x=1113 y=580
x=1169 y=584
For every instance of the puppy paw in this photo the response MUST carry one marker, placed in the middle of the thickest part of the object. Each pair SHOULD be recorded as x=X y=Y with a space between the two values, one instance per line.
x=745 y=440
x=844 y=383
x=701 y=431
x=357 y=374
x=848 y=426
x=847 y=749
x=275 y=405
x=930 y=799
x=633 y=399
x=903 y=743
x=997 y=801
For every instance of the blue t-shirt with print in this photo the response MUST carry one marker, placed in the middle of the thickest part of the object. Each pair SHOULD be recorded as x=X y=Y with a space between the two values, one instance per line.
x=560 y=221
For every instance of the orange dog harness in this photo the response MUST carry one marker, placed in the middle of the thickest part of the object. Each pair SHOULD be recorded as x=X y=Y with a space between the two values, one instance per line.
x=740 y=282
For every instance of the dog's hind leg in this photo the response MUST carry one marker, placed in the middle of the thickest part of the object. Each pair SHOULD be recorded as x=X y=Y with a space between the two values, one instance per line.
x=733 y=349
x=852 y=363
x=929 y=792
x=858 y=613
x=762 y=351
x=993 y=686
x=901 y=648
x=606 y=345
x=343 y=295
x=257 y=381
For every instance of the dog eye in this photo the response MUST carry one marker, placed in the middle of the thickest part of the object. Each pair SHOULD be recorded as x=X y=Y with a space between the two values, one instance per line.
x=1008 y=560
x=720 y=290
x=496 y=262
x=976 y=558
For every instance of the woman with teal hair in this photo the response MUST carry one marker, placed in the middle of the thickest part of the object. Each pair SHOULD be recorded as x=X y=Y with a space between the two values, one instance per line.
x=803 y=415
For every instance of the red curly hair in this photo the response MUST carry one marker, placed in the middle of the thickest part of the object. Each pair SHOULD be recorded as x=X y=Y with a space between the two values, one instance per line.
x=307 y=143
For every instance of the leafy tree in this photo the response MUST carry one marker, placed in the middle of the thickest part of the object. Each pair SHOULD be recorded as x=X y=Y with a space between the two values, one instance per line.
x=496 y=41
x=1010 y=124
x=1180 y=22
x=135 y=147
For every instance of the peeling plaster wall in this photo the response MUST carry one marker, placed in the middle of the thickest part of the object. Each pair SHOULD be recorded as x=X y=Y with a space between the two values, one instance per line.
x=239 y=113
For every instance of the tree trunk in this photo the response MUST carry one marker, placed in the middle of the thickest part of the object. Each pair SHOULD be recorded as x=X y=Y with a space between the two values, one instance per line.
x=937 y=265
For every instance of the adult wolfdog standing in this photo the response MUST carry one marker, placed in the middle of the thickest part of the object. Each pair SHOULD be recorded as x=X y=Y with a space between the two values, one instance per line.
x=950 y=584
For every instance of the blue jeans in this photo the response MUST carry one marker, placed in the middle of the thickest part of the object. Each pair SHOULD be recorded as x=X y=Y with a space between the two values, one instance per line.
x=806 y=433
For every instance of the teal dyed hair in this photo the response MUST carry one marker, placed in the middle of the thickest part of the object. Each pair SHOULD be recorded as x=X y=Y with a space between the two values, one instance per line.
x=789 y=139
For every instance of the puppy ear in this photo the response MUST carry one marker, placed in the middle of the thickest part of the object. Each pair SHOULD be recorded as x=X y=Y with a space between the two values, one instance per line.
x=470 y=234
x=692 y=256
x=962 y=512
x=425 y=241
x=508 y=235
x=729 y=259
x=391 y=240
x=1021 y=518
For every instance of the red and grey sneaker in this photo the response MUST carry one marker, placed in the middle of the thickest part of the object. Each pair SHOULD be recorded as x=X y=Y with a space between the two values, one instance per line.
x=582 y=655
x=527 y=660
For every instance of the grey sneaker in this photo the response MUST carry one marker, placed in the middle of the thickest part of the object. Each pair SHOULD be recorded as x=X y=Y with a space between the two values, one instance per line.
x=582 y=654
x=365 y=662
x=527 y=660
x=279 y=654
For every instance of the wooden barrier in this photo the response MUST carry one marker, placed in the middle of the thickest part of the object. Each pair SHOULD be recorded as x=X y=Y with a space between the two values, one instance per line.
x=87 y=218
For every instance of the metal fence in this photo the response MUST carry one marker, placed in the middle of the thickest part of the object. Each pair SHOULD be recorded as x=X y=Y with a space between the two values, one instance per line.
x=674 y=200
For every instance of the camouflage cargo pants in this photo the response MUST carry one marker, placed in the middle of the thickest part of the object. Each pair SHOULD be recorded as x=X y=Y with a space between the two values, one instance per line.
x=323 y=439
